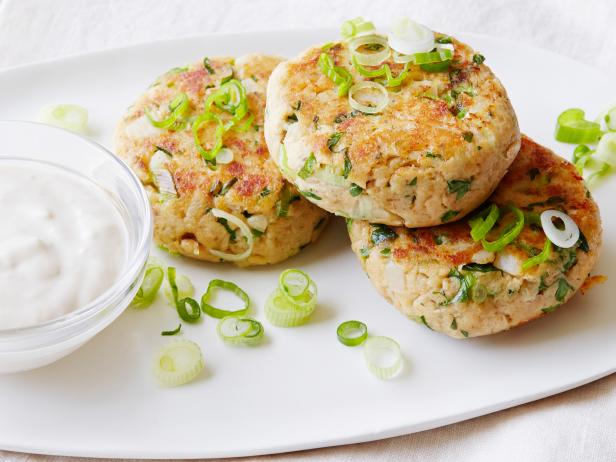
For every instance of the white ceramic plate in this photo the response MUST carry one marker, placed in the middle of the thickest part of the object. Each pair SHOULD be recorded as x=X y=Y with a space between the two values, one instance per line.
x=302 y=389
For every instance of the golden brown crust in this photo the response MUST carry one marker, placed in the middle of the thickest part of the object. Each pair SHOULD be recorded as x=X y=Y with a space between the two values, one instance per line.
x=184 y=225
x=405 y=156
x=423 y=259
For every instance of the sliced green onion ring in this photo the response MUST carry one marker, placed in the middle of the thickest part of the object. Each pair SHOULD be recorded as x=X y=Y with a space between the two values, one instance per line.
x=178 y=107
x=352 y=333
x=581 y=155
x=161 y=175
x=435 y=67
x=384 y=70
x=544 y=256
x=305 y=300
x=294 y=282
x=383 y=357
x=167 y=333
x=180 y=301
x=506 y=237
x=245 y=230
x=392 y=81
x=178 y=362
x=563 y=238
x=355 y=27
x=484 y=222
x=191 y=315
x=606 y=149
x=399 y=58
x=224 y=156
x=229 y=97
x=284 y=162
x=203 y=119
x=238 y=330
x=479 y=293
x=370 y=73
x=372 y=107
x=571 y=127
x=177 y=287
x=68 y=116
x=373 y=58
x=431 y=57
x=610 y=119
x=408 y=37
x=339 y=75
x=282 y=312
x=293 y=301
x=216 y=284
x=597 y=170
x=152 y=280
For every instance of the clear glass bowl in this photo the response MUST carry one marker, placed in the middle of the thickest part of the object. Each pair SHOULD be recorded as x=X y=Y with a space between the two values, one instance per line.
x=35 y=346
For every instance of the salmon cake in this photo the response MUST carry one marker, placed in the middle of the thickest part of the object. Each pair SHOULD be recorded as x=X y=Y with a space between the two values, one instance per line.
x=433 y=153
x=195 y=140
x=444 y=278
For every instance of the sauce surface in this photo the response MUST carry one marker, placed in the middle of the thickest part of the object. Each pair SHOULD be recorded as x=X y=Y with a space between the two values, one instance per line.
x=62 y=242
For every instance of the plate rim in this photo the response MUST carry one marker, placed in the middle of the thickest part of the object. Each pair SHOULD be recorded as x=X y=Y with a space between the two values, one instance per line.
x=399 y=430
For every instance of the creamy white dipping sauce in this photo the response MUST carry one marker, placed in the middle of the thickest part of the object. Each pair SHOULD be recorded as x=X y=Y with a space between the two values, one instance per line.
x=62 y=242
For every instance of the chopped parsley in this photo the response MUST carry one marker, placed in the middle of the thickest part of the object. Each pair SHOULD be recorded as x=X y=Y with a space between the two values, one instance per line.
x=466 y=283
x=282 y=206
x=297 y=106
x=543 y=285
x=333 y=140
x=449 y=215
x=364 y=252
x=355 y=190
x=265 y=192
x=468 y=137
x=308 y=169
x=444 y=39
x=158 y=148
x=292 y=118
x=568 y=257
x=225 y=224
x=468 y=89
x=583 y=243
x=562 y=289
x=532 y=173
x=551 y=308
x=344 y=116
x=454 y=324
x=386 y=252
x=228 y=185
x=382 y=233
x=413 y=182
x=422 y=318
x=315 y=121
x=461 y=112
x=478 y=59
x=552 y=200
x=464 y=333
x=480 y=267
x=348 y=166
x=432 y=155
x=226 y=78
x=459 y=187
x=310 y=195
x=208 y=67
x=319 y=224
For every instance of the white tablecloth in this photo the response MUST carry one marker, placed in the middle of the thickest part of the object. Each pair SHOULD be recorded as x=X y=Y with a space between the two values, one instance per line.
x=574 y=426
